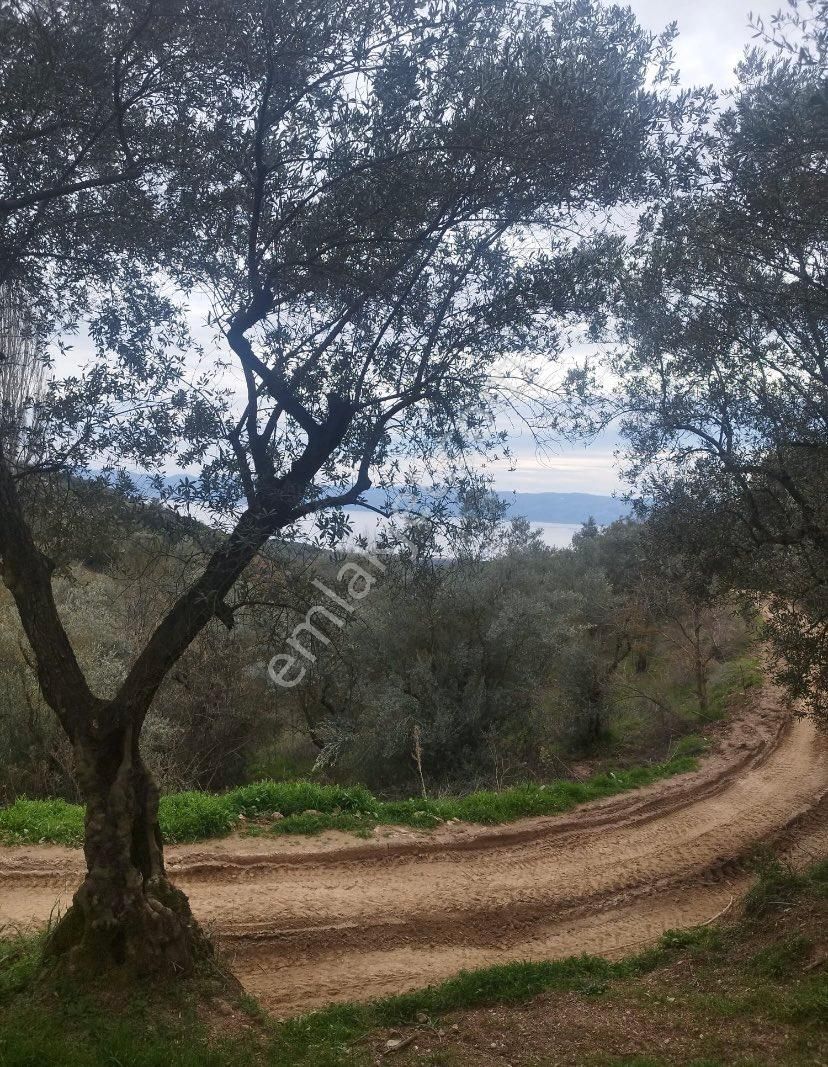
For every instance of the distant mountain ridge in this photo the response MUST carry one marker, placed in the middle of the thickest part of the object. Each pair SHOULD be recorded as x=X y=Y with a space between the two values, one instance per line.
x=565 y=508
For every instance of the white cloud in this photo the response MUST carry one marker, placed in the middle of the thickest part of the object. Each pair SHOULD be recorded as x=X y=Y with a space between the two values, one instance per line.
x=590 y=469
x=712 y=33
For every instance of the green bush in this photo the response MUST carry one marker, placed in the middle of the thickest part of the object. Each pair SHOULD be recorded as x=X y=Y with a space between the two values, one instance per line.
x=193 y=815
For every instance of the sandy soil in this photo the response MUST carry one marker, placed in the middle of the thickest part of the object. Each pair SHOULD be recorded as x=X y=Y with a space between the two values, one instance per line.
x=308 y=921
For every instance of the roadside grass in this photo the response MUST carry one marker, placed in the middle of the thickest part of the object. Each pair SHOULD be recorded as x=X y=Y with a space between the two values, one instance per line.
x=55 y=821
x=710 y=995
x=303 y=807
x=19 y=959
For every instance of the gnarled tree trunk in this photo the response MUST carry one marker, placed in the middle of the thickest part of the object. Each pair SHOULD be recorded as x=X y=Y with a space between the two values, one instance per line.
x=126 y=913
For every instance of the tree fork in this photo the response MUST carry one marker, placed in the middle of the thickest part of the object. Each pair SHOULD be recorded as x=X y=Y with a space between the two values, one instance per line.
x=126 y=914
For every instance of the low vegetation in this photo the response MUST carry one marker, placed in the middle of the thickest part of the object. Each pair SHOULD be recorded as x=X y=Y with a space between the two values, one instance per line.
x=309 y=807
x=509 y=663
x=750 y=991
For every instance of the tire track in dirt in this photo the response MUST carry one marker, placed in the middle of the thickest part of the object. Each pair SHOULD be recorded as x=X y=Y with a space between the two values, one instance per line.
x=310 y=921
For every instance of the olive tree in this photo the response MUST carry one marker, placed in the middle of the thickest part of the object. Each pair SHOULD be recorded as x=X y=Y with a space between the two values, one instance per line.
x=724 y=371
x=391 y=210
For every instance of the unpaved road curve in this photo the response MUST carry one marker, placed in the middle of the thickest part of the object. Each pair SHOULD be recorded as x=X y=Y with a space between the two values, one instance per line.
x=310 y=921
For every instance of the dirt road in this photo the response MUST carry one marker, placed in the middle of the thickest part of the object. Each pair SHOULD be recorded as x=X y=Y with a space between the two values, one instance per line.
x=310 y=921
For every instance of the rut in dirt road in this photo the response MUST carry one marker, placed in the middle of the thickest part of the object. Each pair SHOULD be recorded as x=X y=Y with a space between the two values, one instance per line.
x=312 y=921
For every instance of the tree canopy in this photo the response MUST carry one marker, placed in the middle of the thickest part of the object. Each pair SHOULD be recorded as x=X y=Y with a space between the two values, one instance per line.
x=724 y=366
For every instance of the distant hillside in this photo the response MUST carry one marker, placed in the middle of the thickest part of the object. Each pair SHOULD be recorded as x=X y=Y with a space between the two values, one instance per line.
x=569 y=508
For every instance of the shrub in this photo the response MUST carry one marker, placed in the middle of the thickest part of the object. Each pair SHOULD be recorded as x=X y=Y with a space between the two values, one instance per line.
x=193 y=815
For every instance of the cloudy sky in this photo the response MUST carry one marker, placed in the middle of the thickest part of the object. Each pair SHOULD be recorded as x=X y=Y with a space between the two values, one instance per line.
x=712 y=36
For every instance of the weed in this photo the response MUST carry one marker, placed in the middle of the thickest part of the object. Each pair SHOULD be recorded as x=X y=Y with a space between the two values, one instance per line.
x=39 y=821
x=777 y=887
x=690 y=745
x=807 y=1003
x=781 y=959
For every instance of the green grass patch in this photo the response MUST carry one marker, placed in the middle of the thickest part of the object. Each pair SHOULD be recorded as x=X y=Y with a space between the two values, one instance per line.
x=690 y=745
x=807 y=1003
x=193 y=815
x=88 y=1037
x=780 y=960
x=304 y=807
x=19 y=959
x=40 y=821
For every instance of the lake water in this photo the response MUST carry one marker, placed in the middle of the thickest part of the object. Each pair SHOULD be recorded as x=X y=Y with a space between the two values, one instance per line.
x=555 y=534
